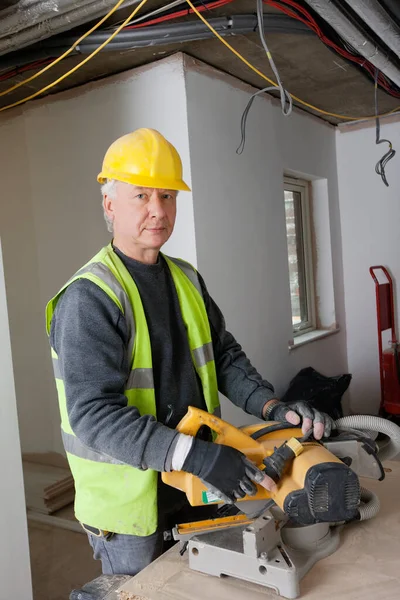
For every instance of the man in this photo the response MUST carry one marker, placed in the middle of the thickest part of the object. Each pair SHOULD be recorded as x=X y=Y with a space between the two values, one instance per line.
x=135 y=340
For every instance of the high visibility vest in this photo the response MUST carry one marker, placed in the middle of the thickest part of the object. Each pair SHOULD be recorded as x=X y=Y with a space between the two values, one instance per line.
x=112 y=495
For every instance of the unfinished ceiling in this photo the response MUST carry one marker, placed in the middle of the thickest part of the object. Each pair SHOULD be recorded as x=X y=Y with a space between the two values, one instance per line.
x=308 y=68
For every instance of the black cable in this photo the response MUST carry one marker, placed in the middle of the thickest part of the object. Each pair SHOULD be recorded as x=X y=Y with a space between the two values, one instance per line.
x=380 y=167
x=271 y=428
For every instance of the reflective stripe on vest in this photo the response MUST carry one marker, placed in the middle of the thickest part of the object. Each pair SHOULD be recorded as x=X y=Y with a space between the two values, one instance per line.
x=73 y=445
x=103 y=272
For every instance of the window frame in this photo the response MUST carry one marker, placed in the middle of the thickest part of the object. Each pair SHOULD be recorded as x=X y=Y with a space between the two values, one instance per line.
x=302 y=187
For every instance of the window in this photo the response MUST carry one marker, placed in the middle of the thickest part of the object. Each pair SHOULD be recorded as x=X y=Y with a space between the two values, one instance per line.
x=300 y=254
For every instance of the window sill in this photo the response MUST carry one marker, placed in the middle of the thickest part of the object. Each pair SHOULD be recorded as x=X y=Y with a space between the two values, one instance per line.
x=311 y=336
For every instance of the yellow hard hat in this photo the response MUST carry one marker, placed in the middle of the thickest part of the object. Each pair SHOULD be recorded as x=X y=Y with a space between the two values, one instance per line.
x=146 y=159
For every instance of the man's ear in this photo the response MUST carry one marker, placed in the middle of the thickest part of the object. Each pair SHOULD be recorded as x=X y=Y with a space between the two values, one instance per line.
x=108 y=205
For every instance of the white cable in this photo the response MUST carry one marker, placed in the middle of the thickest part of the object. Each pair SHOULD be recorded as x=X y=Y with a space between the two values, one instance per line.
x=286 y=98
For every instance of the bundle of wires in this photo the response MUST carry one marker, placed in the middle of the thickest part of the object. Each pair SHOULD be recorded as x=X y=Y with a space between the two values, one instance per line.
x=202 y=7
x=9 y=74
x=286 y=98
x=332 y=40
x=291 y=8
x=380 y=167
x=167 y=14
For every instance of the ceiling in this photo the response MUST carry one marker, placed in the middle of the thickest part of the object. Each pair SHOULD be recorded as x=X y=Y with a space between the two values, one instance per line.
x=307 y=67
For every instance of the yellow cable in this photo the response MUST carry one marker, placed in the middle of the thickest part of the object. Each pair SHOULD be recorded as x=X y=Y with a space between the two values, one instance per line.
x=246 y=62
x=60 y=58
x=79 y=65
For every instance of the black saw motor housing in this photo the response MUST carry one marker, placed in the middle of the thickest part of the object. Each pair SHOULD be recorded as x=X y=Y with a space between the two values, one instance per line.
x=331 y=494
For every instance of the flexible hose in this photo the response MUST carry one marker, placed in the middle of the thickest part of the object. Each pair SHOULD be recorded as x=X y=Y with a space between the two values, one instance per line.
x=370 y=423
x=370 y=505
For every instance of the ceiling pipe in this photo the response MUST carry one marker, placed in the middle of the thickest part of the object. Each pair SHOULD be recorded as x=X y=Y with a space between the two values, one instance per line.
x=356 y=38
x=31 y=12
x=393 y=7
x=20 y=29
x=234 y=23
x=157 y=35
x=376 y=17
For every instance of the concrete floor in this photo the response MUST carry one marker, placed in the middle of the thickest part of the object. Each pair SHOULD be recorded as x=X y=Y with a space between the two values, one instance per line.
x=61 y=561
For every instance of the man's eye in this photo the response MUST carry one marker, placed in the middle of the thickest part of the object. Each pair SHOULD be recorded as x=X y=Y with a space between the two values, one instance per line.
x=167 y=196
x=140 y=196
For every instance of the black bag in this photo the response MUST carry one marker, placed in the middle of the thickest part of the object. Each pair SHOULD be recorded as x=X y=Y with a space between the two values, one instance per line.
x=322 y=393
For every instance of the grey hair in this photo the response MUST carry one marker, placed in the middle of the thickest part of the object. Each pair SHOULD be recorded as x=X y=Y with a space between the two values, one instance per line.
x=109 y=189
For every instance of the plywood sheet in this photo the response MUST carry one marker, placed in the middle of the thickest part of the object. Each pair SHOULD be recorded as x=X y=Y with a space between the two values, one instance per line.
x=48 y=485
x=365 y=567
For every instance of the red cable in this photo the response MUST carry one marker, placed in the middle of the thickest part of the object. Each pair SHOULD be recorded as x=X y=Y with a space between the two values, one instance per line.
x=30 y=66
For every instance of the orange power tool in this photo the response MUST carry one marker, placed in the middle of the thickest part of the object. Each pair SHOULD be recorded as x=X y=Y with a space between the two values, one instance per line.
x=306 y=473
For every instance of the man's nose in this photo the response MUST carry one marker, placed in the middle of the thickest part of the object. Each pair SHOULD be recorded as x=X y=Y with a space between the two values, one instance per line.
x=156 y=205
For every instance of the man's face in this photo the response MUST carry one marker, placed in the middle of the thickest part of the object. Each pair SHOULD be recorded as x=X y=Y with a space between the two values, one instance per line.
x=144 y=217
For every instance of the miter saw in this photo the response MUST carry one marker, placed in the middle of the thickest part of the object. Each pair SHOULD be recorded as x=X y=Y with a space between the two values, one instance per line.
x=276 y=537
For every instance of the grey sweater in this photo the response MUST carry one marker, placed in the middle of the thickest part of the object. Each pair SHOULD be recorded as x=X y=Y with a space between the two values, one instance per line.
x=89 y=334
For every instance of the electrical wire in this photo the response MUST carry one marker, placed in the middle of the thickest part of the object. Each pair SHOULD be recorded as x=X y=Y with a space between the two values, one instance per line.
x=18 y=70
x=274 y=84
x=380 y=167
x=79 y=65
x=286 y=99
x=157 y=11
x=243 y=121
x=182 y=13
x=65 y=54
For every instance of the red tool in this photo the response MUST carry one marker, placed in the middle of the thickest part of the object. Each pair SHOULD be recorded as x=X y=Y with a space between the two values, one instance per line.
x=389 y=360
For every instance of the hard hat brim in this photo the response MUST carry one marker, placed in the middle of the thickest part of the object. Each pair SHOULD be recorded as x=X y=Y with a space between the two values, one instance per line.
x=144 y=181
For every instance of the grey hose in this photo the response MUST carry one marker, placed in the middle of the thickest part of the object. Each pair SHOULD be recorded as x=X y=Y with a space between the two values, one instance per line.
x=370 y=505
x=377 y=424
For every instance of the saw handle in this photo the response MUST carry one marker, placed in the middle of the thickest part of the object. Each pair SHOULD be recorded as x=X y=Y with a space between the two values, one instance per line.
x=226 y=433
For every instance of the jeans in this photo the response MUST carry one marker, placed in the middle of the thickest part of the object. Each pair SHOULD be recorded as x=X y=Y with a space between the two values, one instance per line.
x=129 y=554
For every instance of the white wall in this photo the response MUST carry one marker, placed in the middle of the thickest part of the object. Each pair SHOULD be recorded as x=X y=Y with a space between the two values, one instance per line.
x=240 y=220
x=26 y=312
x=15 y=575
x=370 y=221
x=54 y=223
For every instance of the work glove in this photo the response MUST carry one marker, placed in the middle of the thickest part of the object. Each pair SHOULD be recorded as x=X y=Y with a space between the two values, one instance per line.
x=225 y=471
x=301 y=412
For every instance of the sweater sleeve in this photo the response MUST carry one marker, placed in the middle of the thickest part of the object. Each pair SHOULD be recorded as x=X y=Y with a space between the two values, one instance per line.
x=238 y=380
x=89 y=334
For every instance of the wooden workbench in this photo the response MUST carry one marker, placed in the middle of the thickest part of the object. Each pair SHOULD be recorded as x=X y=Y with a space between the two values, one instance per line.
x=365 y=567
